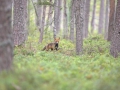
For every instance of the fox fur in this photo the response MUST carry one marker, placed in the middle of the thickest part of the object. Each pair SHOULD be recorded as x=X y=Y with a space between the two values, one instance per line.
x=52 y=46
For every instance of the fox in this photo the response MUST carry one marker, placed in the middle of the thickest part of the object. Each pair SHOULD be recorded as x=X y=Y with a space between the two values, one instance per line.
x=52 y=46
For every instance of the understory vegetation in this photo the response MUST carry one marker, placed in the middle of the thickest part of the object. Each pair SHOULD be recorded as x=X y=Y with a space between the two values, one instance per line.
x=34 y=69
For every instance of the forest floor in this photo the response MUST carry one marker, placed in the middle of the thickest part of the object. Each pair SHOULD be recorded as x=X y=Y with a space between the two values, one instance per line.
x=34 y=69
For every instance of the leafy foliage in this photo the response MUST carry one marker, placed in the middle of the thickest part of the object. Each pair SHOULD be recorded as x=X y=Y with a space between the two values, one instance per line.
x=58 y=70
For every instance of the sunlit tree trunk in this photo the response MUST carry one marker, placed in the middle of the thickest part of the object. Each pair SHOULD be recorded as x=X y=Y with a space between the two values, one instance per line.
x=79 y=26
x=93 y=17
x=72 y=21
x=106 y=18
x=56 y=17
x=50 y=18
x=84 y=12
x=87 y=11
x=20 y=22
x=101 y=17
x=65 y=26
x=111 y=19
x=59 y=14
x=6 y=37
x=39 y=10
x=42 y=25
x=115 y=40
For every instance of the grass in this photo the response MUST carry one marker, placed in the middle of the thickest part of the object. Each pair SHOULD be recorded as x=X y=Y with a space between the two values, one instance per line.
x=34 y=69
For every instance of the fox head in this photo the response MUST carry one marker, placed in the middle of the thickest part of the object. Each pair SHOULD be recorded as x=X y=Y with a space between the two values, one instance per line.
x=57 y=40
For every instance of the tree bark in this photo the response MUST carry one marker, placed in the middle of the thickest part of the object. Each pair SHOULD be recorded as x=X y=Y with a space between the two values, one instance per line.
x=87 y=11
x=93 y=17
x=72 y=21
x=42 y=25
x=39 y=10
x=49 y=18
x=56 y=17
x=79 y=26
x=20 y=22
x=115 y=40
x=59 y=15
x=101 y=17
x=65 y=26
x=106 y=19
x=6 y=37
x=111 y=19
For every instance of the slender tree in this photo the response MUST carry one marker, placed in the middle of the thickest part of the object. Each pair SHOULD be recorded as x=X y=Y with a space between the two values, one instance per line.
x=106 y=18
x=50 y=13
x=42 y=25
x=79 y=26
x=20 y=22
x=56 y=17
x=72 y=21
x=39 y=10
x=101 y=17
x=93 y=17
x=59 y=14
x=6 y=37
x=111 y=19
x=86 y=18
x=65 y=26
x=115 y=40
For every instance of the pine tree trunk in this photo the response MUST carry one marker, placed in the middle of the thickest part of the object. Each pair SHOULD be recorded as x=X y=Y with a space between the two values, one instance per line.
x=84 y=12
x=111 y=19
x=115 y=40
x=72 y=21
x=6 y=37
x=39 y=9
x=59 y=15
x=106 y=18
x=42 y=25
x=20 y=22
x=101 y=17
x=56 y=17
x=65 y=26
x=79 y=26
x=93 y=17
x=87 y=11
x=49 y=19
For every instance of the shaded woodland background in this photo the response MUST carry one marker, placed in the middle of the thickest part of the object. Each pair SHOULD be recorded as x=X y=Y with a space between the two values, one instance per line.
x=88 y=57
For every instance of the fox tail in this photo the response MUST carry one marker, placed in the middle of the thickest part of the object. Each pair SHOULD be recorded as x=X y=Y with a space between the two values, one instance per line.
x=44 y=48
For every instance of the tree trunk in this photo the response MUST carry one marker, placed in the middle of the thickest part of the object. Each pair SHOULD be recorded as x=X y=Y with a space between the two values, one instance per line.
x=84 y=12
x=65 y=26
x=20 y=22
x=56 y=17
x=28 y=14
x=72 y=21
x=87 y=11
x=93 y=17
x=115 y=40
x=101 y=17
x=42 y=25
x=59 y=15
x=39 y=11
x=49 y=18
x=111 y=19
x=6 y=37
x=79 y=25
x=106 y=18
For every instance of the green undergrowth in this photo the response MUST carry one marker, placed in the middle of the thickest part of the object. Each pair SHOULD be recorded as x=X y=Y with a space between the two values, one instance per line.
x=34 y=69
